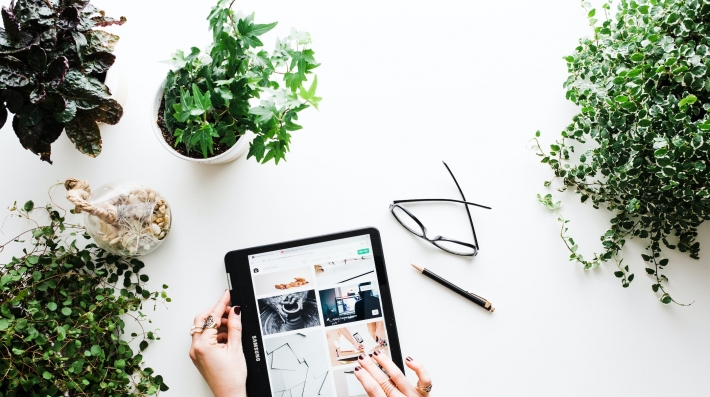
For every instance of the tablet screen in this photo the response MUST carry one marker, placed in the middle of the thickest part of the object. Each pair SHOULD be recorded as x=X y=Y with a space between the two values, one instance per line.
x=319 y=309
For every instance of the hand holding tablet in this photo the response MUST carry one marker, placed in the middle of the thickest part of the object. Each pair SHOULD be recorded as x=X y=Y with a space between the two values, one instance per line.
x=285 y=343
x=306 y=340
x=218 y=351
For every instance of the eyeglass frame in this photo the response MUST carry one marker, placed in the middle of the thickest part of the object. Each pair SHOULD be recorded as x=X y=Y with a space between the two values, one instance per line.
x=475 y=246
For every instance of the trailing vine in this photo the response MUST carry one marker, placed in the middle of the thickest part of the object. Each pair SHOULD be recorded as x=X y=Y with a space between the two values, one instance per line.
x=643 y=90
x=62 y=309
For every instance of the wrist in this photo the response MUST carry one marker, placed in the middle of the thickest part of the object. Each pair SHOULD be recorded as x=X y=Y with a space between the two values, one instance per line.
x=232 y=392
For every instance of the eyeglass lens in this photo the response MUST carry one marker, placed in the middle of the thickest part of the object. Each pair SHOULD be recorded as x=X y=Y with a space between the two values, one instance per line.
x=407 y=221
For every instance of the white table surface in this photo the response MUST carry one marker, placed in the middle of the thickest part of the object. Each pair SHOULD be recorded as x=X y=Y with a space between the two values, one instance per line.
x=406 y=85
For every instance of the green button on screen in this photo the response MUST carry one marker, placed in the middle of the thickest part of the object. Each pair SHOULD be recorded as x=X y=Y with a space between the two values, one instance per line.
x=363 y=251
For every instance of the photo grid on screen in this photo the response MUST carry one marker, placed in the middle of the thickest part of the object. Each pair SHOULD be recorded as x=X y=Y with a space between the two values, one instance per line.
x=319 y=309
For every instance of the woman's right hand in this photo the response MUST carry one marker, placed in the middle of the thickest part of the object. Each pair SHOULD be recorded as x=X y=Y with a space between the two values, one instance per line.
x=377 y=383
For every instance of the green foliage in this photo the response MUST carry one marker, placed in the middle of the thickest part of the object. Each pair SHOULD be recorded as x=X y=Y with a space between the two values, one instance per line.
x=62 y=314
x=209 y=96
x=642 y=85
x=51 y=62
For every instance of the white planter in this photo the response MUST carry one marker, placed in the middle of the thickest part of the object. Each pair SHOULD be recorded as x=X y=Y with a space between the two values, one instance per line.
x=230 y=155
x=116 y=83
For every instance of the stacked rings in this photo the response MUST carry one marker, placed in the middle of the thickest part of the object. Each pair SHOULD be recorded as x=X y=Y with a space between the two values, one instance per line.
x=388 y=386
x=210 y=323
x=424 y=389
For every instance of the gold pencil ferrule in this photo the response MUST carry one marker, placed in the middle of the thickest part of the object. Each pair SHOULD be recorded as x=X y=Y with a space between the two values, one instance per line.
x=488 y=305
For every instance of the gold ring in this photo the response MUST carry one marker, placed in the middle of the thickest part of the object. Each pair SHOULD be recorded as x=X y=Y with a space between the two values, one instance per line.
x=388 y=386
x=210 y=323
x=195 y=329
x=424 y=389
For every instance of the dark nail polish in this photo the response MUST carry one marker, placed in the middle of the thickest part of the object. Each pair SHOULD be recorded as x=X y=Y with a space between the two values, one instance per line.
x=376 y=352
x=410 y=359
x=237 y=310
x=358 y=368
x=362 y=357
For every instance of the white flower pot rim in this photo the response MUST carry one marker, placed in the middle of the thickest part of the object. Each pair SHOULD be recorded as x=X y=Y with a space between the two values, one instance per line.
x=230 y=155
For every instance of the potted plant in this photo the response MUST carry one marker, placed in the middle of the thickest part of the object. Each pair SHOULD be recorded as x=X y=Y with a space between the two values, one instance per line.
x=642 y=85
x=65 y=306
x=53 y=66
x=207 y=109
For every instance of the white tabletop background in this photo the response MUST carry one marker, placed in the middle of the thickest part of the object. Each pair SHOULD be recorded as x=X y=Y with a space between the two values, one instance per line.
x=406 y=84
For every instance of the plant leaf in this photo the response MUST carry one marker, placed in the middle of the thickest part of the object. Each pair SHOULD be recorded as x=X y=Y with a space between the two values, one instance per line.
x=88 y=92
x=56 y=72
x=68 y=19
x=67 y=114
x=98 y=62
x=15 y=100
x=12 y=27
x=36 y=133
x=83 y=131
x=259 y=29
x=38 y=94
x=13 y=73
x=203 y=138
x=37 y=59
x=109 y=111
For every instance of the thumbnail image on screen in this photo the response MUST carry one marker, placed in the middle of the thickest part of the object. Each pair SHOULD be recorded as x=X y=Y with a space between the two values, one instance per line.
x=288 y=312
x=357 y=302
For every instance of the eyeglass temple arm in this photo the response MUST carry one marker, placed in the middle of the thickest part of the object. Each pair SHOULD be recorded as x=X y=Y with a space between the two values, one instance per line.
x=449 y=200
x=473 y=229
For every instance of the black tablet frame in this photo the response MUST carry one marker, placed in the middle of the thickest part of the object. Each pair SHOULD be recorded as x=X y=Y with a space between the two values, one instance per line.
x=242 y=294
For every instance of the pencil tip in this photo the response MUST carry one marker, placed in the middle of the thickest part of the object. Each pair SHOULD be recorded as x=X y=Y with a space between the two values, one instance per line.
x=419 y=268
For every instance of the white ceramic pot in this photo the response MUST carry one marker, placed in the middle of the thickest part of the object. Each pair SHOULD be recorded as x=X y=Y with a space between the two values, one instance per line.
x=230 y=155
x=116 y=83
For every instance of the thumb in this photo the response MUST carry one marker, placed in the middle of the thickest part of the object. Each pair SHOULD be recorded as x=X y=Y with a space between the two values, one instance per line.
x=234 y=329
x=422 y=374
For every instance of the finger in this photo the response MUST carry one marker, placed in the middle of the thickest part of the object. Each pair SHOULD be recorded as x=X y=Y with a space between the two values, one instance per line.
x=210 y=334
x=394 y=372
x=372 y=388
x=234 y=331
x=367 y=364
x=198 y=322
x=422 y=373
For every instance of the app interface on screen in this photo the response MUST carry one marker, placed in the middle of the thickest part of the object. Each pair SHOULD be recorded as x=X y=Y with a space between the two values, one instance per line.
x=319 y=309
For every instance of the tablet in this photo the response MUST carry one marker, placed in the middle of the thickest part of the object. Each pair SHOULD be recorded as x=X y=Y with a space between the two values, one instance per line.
x=309 y=308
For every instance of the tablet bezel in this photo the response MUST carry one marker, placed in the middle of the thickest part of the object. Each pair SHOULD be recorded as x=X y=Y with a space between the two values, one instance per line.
x=242 y=294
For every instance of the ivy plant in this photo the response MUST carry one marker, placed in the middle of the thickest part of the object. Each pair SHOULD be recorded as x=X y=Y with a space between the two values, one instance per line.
x=210 y=96
x=62 y=310
x=52 y=62
x=642 y=86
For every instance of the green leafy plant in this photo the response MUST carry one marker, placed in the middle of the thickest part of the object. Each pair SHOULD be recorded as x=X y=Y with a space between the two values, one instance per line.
x=209 y=96
x=62 y=311
x=642 y=85
x=52 y=66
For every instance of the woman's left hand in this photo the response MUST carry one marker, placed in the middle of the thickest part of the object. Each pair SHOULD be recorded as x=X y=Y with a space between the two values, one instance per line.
x=217 y=353
x=378 y=384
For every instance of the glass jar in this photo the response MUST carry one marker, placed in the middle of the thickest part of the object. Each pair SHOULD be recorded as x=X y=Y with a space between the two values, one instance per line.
x=127 y=219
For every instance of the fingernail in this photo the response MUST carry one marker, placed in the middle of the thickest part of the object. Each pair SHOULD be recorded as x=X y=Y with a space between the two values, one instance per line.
x=361 y=357
x=376 y=352
x=237 y=310
x=358 y=368
x=410 y=359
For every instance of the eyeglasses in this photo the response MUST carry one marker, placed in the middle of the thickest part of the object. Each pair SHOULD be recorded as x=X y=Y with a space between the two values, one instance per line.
x=411 y=223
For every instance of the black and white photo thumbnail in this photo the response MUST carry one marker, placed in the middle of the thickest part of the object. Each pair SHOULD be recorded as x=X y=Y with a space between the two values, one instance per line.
x=288 y=312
